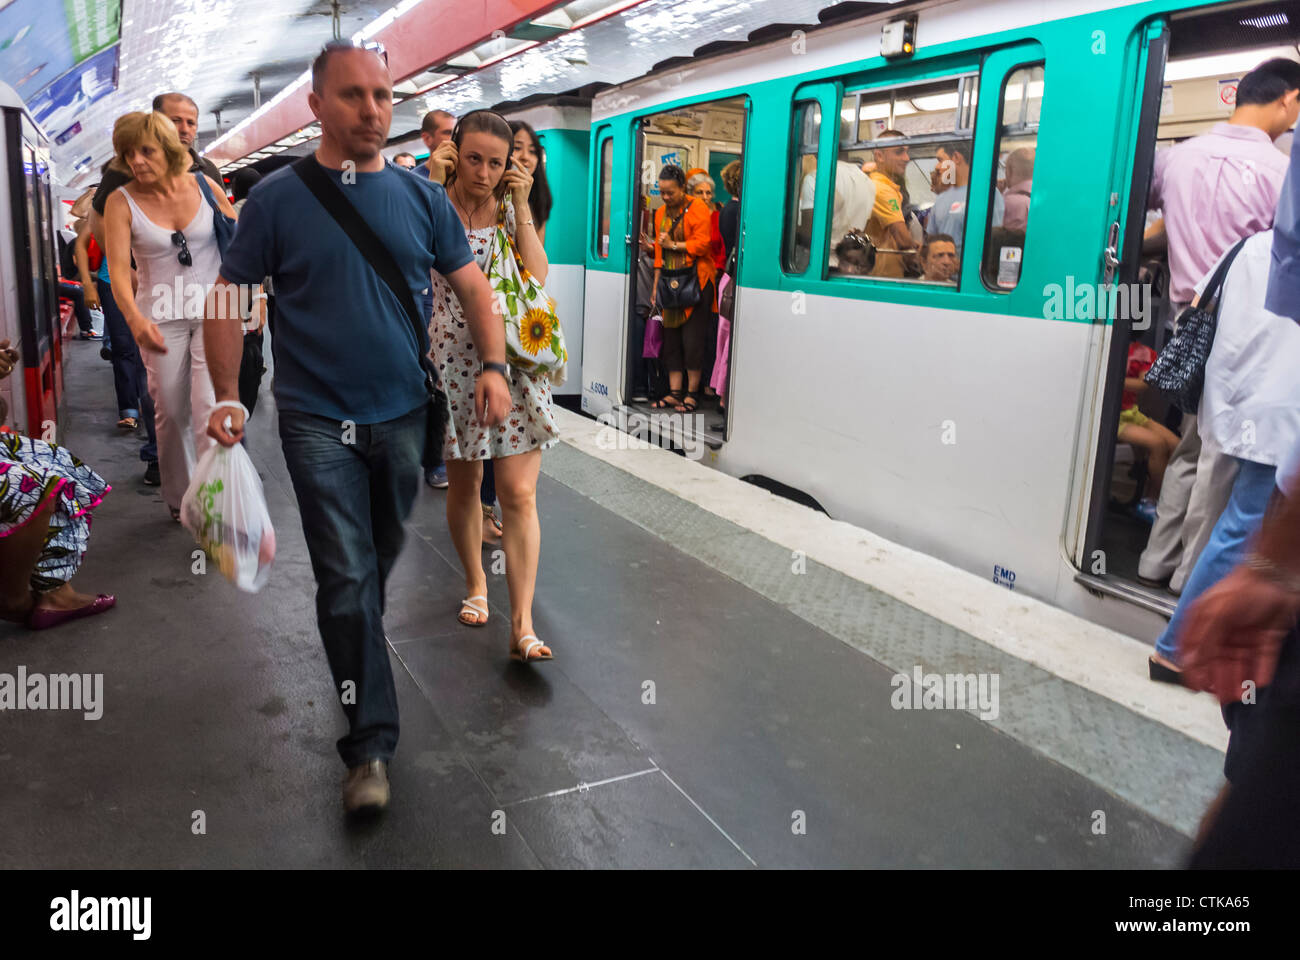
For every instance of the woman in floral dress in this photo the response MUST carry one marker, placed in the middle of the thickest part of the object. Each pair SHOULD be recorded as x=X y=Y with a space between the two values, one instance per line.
x=483 y=180
x=46 y=496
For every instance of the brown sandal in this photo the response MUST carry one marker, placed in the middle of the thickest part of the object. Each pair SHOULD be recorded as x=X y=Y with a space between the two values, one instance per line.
x=490 y=515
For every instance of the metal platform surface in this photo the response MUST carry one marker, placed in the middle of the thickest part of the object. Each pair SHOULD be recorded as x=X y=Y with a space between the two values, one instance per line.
x=771 y=740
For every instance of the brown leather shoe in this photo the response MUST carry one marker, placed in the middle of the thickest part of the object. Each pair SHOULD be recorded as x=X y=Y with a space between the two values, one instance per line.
x=365 y=791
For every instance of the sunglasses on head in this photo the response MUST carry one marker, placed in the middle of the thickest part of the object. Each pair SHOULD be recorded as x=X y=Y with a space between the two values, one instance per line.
x=178 y=240
x=373 y=45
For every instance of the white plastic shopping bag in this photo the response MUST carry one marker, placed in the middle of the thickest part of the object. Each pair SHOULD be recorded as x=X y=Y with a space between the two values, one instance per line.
x=225 y=510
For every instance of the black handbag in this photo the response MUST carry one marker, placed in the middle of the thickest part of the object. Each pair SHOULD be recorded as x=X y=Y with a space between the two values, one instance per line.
x=381 y=259
x=727 y=301
x=1179 y=370
x=679 y=288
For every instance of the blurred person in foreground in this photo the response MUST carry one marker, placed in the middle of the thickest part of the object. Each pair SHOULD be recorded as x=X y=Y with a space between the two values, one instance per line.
x=1241 y=642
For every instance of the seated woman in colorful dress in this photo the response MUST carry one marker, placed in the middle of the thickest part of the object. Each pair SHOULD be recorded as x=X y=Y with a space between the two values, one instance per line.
x=46 y=496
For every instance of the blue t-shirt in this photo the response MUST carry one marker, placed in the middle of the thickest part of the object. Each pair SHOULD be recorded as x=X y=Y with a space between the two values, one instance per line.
x=345 y=348
x=426 y=302
x=948 y=215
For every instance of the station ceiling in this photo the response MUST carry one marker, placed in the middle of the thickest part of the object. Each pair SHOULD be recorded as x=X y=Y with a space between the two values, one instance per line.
x=445 y=53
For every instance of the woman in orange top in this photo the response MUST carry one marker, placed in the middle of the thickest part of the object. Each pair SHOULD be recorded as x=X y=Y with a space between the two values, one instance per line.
x=684 y=236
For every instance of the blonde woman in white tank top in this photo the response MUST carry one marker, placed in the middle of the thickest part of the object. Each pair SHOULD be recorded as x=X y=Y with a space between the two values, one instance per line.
x=163 y=219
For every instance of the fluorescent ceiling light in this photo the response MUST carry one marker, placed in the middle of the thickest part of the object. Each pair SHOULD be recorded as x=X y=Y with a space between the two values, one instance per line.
x=937 y=101
x=1224 y=63
x=602 y=12
x=1035 y=90
x=1265 y=21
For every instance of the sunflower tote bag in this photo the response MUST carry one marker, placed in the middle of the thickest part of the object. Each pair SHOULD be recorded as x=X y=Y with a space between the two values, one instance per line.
x=534 y=340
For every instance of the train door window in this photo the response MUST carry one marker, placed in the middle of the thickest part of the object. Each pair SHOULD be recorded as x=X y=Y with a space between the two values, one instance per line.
x=802 y=187
x=604 y=190
x=902 y=177
x=1008 y=226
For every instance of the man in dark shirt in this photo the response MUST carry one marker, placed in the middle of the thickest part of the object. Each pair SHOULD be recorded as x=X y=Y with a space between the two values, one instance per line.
x=348 y=381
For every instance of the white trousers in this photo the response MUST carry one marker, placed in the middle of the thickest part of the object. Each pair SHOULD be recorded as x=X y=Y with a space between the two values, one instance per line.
x=182 y=402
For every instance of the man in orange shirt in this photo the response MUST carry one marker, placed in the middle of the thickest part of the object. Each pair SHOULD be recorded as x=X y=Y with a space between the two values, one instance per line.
x=887 y=227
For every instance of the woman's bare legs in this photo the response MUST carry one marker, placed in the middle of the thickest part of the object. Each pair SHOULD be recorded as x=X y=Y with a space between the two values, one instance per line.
x=18 y=555
x=465 y=521
x=521 y=537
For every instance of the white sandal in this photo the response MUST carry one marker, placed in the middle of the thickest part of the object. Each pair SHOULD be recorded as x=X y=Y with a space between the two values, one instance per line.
x=469 y=604
x=524 y=654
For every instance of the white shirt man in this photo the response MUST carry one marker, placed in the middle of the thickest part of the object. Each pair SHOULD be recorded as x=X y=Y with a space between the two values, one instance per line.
x=855 y=195
x=1250 y=407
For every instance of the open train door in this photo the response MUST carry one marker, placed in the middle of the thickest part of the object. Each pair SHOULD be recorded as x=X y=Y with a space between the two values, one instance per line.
x=1121 y=259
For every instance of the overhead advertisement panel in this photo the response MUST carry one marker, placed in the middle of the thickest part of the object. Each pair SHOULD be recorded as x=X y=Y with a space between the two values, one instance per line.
x=34 y=47
x=92 y=25
x=57 y=107
x=40 y=40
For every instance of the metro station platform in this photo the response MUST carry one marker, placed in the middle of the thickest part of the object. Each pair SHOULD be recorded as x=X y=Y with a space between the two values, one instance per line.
x=771 y=740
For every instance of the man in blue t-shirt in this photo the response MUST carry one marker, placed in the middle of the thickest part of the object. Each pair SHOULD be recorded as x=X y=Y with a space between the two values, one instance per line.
x=348 y=381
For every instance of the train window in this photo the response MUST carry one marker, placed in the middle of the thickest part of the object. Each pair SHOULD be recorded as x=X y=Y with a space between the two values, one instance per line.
x=1004 y=250
x=606 y=189
x=803 y=187
x=901 y=181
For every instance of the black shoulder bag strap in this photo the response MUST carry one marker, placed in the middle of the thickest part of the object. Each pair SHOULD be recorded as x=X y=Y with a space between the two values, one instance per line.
x=1209 y=299
x=676 y=221
x=379 y=257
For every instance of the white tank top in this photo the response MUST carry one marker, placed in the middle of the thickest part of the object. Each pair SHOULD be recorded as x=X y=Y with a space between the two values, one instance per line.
x=160 y=298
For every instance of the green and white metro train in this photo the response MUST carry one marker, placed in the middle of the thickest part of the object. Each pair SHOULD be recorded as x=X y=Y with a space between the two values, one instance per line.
x=974 y=420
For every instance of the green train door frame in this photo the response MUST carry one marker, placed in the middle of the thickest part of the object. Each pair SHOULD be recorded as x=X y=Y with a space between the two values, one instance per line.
x=633 y=241
x=1122 y=256
x=637 y=205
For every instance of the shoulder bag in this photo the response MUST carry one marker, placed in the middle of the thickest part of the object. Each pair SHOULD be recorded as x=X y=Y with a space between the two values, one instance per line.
x=679 y=287
x=534 y=340
x=381 y=259
x=222 y=225
x=1180 y=368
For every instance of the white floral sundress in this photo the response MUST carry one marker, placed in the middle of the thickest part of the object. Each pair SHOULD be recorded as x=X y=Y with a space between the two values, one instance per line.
x=530 y=424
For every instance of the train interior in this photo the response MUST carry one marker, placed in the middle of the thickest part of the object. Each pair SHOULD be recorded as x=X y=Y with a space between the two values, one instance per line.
x=704 y=137
x=928 y=129
x=1205 y=61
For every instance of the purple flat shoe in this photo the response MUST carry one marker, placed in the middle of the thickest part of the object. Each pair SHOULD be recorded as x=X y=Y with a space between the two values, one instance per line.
x=43 y=619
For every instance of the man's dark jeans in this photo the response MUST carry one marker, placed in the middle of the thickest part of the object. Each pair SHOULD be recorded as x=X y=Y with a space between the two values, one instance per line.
x=74 y=293
x=130 y=379
x=355 y=487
